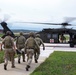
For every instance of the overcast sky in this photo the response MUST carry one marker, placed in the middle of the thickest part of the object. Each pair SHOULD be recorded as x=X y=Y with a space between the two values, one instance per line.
x=37 y=11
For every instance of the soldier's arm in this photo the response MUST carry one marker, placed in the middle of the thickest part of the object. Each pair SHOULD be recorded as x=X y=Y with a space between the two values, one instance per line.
x=16 y=41
x=43 y=44
x=2 y=44
x=25 y=45
x=37 y=44
x=13 y=44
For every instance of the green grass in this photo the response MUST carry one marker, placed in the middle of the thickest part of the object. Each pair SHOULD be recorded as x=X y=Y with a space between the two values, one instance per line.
x=1 y=34
x=1 y=56
x=59 y=63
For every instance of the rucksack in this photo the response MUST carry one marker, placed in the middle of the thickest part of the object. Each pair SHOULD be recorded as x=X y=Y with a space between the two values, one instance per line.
x=20 y=40
x=8 y=42
x=30 y=43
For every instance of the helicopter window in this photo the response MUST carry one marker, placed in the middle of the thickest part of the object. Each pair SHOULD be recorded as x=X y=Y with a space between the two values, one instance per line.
x=55 y=36
x=48 y=35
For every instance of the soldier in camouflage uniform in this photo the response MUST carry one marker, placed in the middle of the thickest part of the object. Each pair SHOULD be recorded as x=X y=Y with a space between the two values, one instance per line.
x=20 y=42
x=9 y=50
x=30 y=47
x=37 y=51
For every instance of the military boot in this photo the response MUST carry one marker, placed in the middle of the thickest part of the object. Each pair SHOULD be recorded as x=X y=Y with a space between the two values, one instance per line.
x=36 y=61
x=19 y=61
x=12 y=66
x=23 y=60
x=27 y=68
x=5 y=68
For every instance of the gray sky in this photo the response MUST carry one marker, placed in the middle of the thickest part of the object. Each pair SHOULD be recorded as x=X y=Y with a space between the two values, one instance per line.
x=37 y=11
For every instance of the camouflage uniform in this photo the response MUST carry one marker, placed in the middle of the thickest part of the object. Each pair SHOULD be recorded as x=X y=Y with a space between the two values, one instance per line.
x=20 y=45
x=9 y=51
x=30 y=47
x=37 y=51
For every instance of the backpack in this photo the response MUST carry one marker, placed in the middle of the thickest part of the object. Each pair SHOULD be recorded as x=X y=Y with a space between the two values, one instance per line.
x=20 y=40
x=8 y=42
x=30 y=43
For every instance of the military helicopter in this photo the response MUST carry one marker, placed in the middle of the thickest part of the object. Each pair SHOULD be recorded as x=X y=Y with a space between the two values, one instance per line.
x=53 y=35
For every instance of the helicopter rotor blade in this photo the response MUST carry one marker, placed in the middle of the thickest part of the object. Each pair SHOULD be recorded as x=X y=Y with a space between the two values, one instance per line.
x=6 y=17
x=39 y=23
x=69 y=19
x=63 y=24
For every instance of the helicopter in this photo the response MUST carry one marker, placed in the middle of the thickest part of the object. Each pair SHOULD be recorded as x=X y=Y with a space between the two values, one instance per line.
x=53 y=35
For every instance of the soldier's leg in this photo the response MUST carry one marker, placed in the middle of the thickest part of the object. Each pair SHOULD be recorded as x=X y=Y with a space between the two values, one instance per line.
x=30 y=58
x=6 y=55
x=30 y=55
x=27 y=60
x=23 y=56
x=12 y=54
x=5 y=63
x=19 y=57
x=37 y=55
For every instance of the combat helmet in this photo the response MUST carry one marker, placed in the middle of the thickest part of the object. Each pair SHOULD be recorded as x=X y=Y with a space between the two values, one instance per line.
x=37 y=35
x=8 y=33
x=31 y=34
x=21 y=33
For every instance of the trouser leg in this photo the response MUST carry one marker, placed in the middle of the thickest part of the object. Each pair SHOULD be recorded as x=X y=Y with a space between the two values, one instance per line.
x=29 y=56
x=19 y=57
x=37 y=56
x=29 y=59
x=6 y=61
x=6 y=58
x=23 y=56
x=12 y=54
x=12 y=62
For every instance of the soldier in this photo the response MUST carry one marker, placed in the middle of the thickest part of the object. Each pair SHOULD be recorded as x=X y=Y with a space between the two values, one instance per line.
x=20 y=42
x=30 y=47
x=9 y=50
x=37 y=51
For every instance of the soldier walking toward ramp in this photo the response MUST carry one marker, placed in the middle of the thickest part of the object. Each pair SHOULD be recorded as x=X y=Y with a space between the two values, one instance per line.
x=20 y=42
x=9 y=50
x=30 y=47
x=37 y=51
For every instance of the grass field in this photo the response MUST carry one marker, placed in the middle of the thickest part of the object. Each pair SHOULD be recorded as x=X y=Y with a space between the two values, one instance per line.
x=1 y=34
x=59 y=63
x=1 y=56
